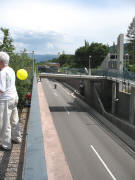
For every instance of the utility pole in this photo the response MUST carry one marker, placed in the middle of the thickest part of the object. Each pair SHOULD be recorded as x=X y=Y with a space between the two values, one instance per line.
x=89 y=65
x=33 y=62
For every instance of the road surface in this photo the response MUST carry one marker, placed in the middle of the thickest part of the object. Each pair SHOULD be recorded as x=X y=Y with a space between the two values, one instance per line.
x=91 y=152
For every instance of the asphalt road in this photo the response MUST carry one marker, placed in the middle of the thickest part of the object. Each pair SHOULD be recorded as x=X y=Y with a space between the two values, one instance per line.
x=91 y=153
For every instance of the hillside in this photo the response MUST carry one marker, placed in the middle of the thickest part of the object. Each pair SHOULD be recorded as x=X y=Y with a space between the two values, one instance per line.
x=45 y=57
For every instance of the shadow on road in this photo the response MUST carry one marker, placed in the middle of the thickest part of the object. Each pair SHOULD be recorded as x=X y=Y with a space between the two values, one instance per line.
x=71 y=107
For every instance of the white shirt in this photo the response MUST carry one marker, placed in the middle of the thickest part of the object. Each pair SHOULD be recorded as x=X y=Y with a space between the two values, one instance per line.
x=7 y=84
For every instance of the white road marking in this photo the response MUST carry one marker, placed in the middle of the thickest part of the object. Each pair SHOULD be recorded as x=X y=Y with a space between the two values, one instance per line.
x=71 y=94
x=66 y=110
x=51 y=87
x=66 y=91
x=108 y=170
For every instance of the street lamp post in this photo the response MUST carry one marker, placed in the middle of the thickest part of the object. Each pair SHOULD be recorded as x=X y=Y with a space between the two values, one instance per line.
x=33 y=61
x=89 y=65
x=1 y=42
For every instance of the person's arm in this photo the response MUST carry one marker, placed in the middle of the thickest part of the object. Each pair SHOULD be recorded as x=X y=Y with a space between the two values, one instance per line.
x=2 y=82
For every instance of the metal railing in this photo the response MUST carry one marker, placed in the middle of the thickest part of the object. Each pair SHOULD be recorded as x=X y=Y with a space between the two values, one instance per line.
x=94 y=72
x=125 y=75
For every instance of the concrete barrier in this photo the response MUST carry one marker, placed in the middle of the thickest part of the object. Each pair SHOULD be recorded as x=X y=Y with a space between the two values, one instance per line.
x=35 y=165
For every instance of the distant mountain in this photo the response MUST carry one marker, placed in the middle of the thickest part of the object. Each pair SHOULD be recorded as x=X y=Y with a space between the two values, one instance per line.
x=45 y=57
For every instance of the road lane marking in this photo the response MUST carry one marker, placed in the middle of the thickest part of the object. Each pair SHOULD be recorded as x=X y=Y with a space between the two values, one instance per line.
x=108 y=170
x=66 y=110
x=69 y=93
x=65 y=90
x=72 y=94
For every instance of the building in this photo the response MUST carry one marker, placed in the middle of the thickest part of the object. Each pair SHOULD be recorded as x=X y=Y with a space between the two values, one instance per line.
x=114 y=61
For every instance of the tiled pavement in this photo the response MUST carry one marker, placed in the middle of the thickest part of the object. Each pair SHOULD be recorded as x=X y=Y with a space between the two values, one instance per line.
x=11 y=162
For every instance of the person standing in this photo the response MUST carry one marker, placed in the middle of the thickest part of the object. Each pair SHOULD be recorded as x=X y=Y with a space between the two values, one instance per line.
x=9 y=120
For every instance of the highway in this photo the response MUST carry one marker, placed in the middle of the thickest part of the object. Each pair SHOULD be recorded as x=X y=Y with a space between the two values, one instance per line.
x=91 y=152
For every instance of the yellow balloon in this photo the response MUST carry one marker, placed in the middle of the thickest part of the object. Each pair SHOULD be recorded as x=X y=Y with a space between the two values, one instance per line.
x=22 y=74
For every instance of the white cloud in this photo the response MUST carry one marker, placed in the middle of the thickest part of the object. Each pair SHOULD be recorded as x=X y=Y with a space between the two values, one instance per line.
x=46 y=42
x=50 y=45
x=92 y=22
x=45 y=16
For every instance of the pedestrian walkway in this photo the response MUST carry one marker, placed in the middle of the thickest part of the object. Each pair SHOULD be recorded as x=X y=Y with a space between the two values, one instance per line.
x=12 y=162
x=56 y=163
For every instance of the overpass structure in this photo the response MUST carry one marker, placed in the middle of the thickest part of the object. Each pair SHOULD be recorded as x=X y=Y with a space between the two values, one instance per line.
x=110 y=89
x=70 y=76
x=95 y=78
x=105 y=85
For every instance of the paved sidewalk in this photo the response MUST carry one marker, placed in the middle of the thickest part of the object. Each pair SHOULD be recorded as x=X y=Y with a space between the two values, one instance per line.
x=11 y=162
x=57 y=167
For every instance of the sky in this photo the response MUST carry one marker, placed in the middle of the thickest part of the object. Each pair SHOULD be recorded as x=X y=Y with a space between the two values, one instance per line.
x=54 y=26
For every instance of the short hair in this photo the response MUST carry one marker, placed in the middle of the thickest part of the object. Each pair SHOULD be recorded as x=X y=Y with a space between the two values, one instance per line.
x=4 y=57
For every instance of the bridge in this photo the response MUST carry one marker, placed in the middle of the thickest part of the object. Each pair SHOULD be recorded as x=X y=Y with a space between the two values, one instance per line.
x=95 y=78
x=99 y=90
x=70 y=76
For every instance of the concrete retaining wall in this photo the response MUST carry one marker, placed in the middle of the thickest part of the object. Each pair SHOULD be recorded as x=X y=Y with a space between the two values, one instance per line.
x=123 y=105
x=99 y=95
x=75 y=83
x=128 y=128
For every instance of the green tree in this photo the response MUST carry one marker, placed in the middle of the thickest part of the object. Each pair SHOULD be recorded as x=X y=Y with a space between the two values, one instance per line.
x=81 y=56
x=62 y=59
x=97 y=51
x=131 y=40
x=18 y=61
x=70 y=61
x=22 y=61
x=7 y=44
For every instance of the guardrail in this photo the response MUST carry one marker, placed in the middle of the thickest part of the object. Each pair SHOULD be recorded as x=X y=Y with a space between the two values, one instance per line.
x=35 y=165
x=125 y=75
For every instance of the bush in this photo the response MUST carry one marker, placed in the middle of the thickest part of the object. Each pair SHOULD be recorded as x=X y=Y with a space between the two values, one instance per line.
x=22 y=61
